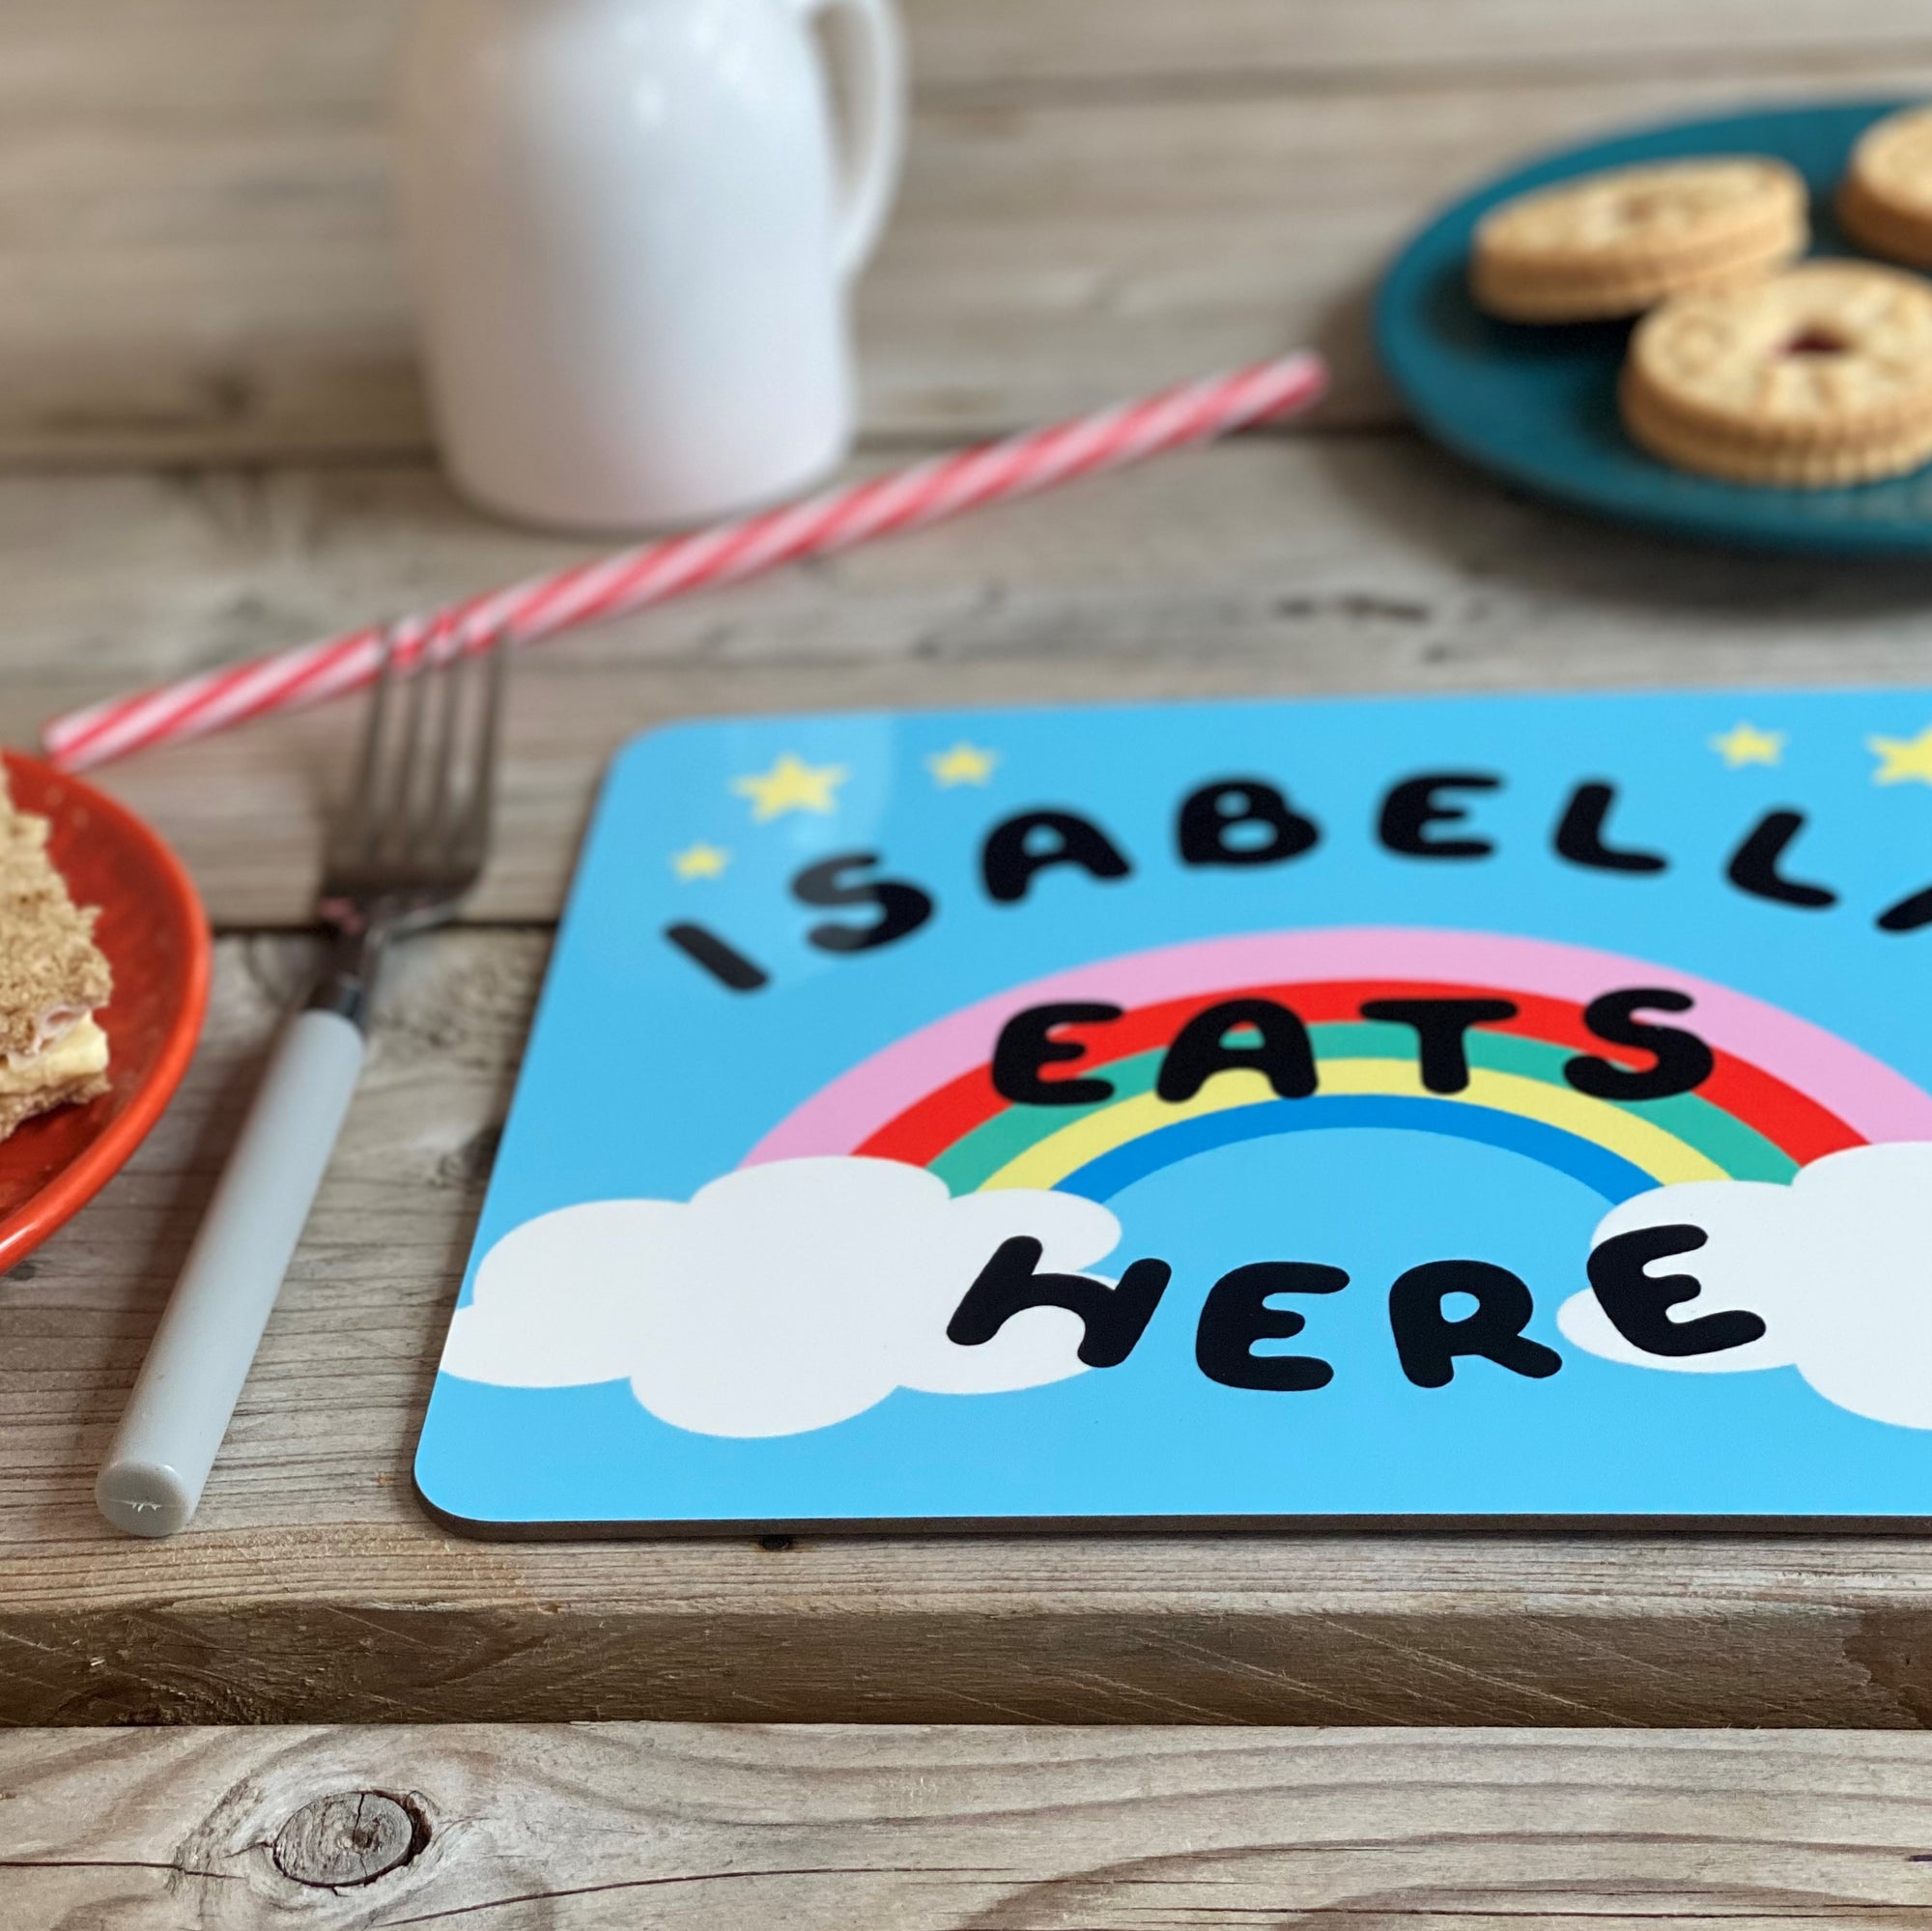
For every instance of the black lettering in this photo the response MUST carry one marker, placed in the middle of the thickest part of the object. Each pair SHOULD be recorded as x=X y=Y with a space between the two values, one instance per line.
x=1429 y=1344
x=724 y=963
x=1201 y=1050
x=1639 y=1305
x=1754 y=864
x=1439 y=1026
x=1684 y=1063
x=1580 y=834
x=1027 y=1045
x=1237 y=1315
x=1212 y=817
x=1414 y=805
x=1114 y=1317
x=903 y=908
x=1909 y=914
x=1015 y=850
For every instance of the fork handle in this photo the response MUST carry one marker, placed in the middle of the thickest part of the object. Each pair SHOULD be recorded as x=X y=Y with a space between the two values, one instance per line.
x=152 y=1480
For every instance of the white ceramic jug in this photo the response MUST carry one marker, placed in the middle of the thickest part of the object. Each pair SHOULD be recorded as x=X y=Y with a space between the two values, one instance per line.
x=631 y=234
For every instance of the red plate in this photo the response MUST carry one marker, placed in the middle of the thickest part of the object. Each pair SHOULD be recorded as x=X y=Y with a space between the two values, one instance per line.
x=156 y=937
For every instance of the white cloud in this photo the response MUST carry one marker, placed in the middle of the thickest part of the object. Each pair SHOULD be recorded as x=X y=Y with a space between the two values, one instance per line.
x=1837 y=1265
x=780 y=1299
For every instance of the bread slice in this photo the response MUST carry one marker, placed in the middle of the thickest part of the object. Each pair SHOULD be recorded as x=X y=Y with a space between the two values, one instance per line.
x=52 y=979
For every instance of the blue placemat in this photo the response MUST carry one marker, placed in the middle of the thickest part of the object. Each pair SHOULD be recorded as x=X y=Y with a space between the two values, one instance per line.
x=1234 y=1113
x=1537 y=405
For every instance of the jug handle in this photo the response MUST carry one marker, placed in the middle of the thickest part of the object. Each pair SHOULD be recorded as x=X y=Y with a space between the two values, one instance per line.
x=873 y=56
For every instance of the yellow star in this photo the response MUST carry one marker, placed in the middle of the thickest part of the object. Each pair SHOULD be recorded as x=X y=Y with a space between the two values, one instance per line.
x=964 y=764
x=1904 y=759
x=700 y=861
x=791 y=786
x=1746 y=744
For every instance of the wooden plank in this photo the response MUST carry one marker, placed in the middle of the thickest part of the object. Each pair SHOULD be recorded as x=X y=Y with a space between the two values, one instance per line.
x=190 y=59
x=196 y=258
x=1015 y=46
x=311 y=1588
x=1346 y=563
x=939 y=1829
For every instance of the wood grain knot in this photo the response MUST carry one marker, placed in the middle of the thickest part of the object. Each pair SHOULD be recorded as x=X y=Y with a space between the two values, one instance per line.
x=353 y=1837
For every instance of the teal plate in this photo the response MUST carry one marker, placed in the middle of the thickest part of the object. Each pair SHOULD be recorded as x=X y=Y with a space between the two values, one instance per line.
x=1538 y=405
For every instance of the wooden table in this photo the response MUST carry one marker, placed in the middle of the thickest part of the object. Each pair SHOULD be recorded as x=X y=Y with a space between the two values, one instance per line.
x=213 y=441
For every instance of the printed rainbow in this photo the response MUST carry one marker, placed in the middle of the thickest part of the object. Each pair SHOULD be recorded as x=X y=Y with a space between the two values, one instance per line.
x=1783 y=1092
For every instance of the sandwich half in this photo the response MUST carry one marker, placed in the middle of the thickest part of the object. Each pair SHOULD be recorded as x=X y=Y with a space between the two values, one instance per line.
x=52 y=979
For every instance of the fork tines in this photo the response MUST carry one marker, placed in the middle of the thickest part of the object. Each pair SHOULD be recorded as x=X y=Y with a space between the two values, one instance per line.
x=416 y=825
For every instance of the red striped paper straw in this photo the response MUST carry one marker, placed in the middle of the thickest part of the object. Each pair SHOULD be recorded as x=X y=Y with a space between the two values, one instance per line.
x=676 y=567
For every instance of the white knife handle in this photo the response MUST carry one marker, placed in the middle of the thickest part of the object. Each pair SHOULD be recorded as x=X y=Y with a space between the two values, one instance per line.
x=152 y=1480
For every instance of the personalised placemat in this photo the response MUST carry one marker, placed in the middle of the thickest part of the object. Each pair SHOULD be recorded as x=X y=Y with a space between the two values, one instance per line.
x=1511 y=1109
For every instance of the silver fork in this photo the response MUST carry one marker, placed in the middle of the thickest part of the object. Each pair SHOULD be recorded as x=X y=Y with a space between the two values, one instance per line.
x=407 y=845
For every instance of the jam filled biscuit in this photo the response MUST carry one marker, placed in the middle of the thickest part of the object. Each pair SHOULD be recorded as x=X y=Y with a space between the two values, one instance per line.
x=1613 y=245
x=1885 y=201
x=1818 y=377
